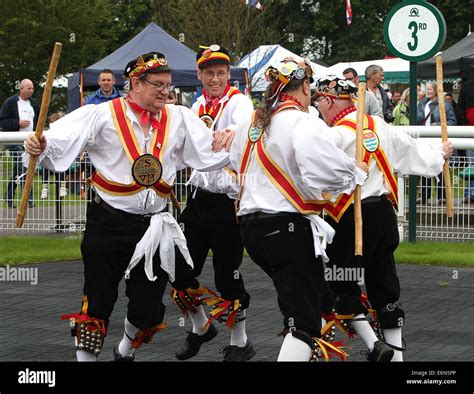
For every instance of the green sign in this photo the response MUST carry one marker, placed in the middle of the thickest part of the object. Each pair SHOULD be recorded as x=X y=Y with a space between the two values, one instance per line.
x=414 y=30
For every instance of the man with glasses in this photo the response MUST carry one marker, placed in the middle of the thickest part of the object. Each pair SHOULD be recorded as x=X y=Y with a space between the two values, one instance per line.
x=372 y=106
x=209 y=221
x=385 y=151
x=135 y=144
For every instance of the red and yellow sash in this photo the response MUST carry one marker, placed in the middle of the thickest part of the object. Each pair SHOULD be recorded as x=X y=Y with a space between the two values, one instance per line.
x=211 y=111
x=275 y=173
x=215 y=110
x=337 y=209
x=133 y=151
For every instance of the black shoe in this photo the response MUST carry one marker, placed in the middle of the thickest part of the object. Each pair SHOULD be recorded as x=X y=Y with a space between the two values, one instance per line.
x=238 y=354
x=119 y=358
x=193 y=343
x=10 y=204
x=380 y=353
x=31 y=204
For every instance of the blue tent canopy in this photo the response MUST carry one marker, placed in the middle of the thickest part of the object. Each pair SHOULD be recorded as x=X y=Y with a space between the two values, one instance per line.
x=151 y=39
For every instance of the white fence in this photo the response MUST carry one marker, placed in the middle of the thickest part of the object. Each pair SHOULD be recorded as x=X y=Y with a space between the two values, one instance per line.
x=56 y=212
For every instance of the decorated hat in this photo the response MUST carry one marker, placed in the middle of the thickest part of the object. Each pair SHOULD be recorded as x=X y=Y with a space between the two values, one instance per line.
x=215 y=54
x=284 y=72
x=152 y=62
x=336 y=87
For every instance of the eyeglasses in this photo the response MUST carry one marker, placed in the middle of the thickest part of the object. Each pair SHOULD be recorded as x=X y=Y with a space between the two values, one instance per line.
x=318 y=99
x=160 y=86
x=211 y=75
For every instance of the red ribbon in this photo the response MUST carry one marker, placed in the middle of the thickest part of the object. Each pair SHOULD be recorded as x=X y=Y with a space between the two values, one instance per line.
x=145 y=115
x=214 y=101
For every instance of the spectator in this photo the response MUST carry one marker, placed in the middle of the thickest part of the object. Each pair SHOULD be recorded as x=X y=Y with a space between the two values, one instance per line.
x=19 y=113
x=374 y=77
x=401 y=113
x=172 y=98
x=428 y=115
x=107 y=91
x=396 y=97
x=372 y=106
x=421 y=94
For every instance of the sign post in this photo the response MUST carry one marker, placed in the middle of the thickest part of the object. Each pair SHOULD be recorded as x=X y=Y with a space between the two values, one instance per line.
x=414 y=30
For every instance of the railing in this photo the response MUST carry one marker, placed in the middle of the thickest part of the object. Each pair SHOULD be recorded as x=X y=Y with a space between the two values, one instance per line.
x=66 y=213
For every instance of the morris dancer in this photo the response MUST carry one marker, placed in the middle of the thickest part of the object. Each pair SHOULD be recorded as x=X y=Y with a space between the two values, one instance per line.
x=135 y=144
x=385 y=151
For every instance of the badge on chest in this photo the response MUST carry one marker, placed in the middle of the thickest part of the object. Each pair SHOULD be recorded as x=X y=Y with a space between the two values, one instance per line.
x=147 y=170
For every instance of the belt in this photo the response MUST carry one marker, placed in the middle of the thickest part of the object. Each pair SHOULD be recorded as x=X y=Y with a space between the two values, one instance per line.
x=263 y=215
x=206 y=195
x=374 y=199
x=118 y=212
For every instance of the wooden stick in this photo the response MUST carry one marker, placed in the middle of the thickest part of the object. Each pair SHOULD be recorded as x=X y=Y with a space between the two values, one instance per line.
x=359 y=153
x=20 y=217
x=444 y=135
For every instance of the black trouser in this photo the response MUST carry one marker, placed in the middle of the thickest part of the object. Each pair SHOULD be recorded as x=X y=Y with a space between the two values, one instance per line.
x=108 y=245
x=380 y=239
x=283 y=247
x=209 y=223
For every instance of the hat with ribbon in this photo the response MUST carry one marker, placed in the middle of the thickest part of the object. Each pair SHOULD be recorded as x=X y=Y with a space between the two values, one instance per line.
x=283 y=73
x=152 y=62
x=335 y=87
x=214 y=54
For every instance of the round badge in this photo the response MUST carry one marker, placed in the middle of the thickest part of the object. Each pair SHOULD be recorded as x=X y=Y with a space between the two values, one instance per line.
x=206 y=53
x=147 y=170
x=208 y=120
x=370 y=140
x=300 y=73
x=255 y=134
x=214 y=48
x=286 y=68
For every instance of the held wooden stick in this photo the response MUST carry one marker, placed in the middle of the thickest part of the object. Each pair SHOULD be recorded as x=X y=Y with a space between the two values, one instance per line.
x=20 y=217
x=359 y=153
x=444 y=134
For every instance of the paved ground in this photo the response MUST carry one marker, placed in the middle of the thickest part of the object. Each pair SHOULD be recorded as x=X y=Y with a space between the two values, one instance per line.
x=438 y=302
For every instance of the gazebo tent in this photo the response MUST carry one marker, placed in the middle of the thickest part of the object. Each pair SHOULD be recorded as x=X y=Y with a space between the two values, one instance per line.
x=152 y=38
x=458 y=61
x=259 y=59
x=396 y=70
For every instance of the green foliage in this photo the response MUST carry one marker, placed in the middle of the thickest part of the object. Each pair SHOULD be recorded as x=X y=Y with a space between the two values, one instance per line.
x=91 y=29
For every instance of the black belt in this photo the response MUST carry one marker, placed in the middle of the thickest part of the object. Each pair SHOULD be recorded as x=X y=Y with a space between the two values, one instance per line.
x=119 y=212
x=263 y=215
x=374 y=199
x=206 y=195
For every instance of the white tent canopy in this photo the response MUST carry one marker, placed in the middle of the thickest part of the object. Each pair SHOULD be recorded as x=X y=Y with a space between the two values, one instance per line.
x=264 y=56
x=395 y=69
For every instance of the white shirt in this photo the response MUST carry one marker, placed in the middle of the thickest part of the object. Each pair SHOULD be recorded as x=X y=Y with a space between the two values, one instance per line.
x=298 y=142
x=91 y=128
x=406 y=155
x=26 y=112
x=238 y=109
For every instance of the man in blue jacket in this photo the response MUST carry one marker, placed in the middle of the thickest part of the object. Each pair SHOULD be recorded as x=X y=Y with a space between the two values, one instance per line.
x=19 y=113
x=107 y=91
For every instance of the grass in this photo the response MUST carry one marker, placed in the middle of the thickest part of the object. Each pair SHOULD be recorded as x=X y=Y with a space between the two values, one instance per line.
x=20 y=250
x=436 y=253
x=28 y=249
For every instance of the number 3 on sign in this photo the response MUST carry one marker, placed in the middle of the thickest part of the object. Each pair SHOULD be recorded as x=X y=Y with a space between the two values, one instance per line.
x=414 y=27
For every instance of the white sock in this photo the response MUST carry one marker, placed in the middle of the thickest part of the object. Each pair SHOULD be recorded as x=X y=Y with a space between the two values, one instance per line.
x=125 y=346
x=82 y=355
x=238 y=336
x=294 y=349
x=393 y=336
x=365 y=331
x=199 y=320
